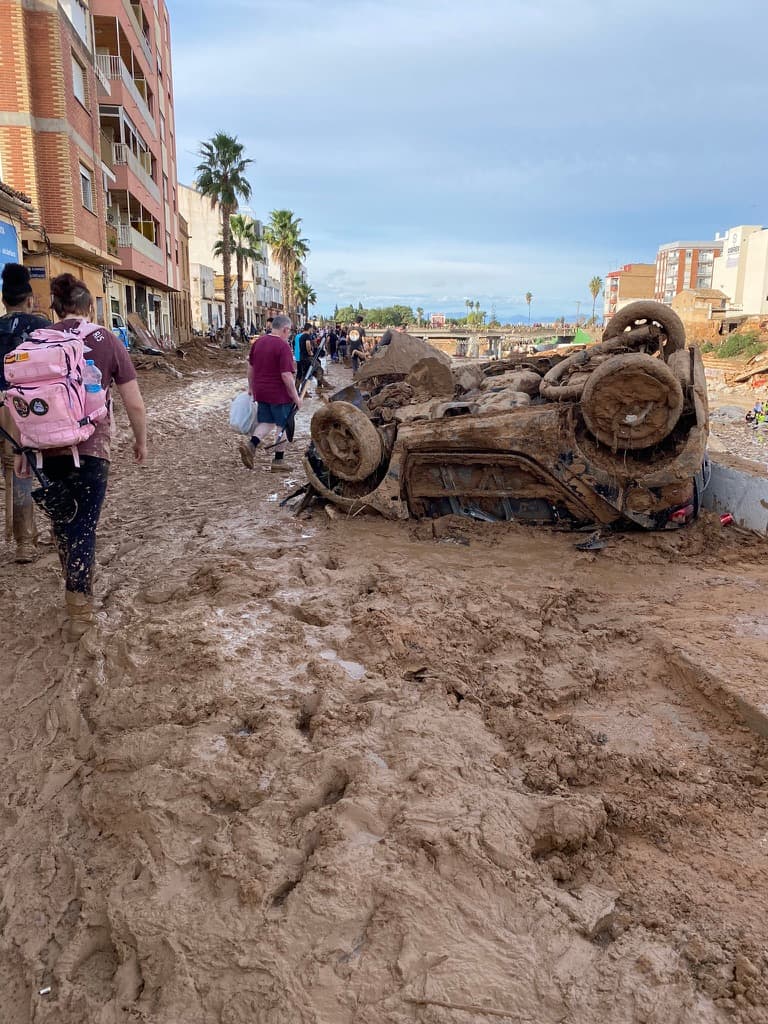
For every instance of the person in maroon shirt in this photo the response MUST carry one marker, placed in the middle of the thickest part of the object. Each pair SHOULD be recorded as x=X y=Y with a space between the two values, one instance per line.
x=272 y=385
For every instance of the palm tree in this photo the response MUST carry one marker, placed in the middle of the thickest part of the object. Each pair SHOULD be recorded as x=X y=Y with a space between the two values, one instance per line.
x=221 y=177
x=246 y=247
x=283 y=236
x=419 y=314
x=595 y=287
x=529 y=300
x=304 y=294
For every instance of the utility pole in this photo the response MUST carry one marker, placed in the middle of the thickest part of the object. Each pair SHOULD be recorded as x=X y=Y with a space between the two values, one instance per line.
x=578 y=309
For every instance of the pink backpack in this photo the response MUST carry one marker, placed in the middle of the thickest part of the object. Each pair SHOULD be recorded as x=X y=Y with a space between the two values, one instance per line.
x=47 y=397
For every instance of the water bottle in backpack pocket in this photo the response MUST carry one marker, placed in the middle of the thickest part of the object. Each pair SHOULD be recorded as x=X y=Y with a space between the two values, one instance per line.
x=95 y=395
x=47 y=396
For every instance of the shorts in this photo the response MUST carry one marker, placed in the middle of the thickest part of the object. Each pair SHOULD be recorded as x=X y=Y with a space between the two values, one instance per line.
x=277 y=414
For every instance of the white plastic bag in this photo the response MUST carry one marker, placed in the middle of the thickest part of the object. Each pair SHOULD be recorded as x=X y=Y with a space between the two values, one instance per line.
x=242 y=414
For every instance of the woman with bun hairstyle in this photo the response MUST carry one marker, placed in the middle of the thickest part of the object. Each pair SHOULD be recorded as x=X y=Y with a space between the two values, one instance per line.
x=19 y=320
x=76 y=541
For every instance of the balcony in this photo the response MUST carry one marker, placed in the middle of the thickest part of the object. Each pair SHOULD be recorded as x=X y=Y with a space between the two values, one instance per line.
x=130 y=238
x=113 y=68
x=137 y=17
x=125 y=157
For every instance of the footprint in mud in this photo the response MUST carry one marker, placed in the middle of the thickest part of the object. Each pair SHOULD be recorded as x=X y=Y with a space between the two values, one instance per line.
x=304 y=613
x=309 y=709
x=329 y=790
x=286 y=887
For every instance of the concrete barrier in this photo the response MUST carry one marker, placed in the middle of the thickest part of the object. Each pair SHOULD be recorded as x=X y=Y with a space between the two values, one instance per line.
x=741 y=488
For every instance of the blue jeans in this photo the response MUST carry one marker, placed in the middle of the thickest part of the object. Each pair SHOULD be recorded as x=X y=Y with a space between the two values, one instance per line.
x=76 y=541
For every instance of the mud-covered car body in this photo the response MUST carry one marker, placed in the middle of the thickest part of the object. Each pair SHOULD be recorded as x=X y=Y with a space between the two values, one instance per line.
x=493 y=452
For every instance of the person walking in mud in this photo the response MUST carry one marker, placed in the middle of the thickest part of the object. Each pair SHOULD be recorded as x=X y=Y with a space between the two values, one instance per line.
x=356 y=343
x=87 y=483
x=18 y=321
x=272 y=385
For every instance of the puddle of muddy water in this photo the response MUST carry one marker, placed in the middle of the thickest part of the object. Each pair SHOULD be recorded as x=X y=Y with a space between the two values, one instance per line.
x=354 y=669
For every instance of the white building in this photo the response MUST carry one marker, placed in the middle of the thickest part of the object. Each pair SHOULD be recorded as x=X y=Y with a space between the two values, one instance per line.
x=261 y=285
x=741 y=272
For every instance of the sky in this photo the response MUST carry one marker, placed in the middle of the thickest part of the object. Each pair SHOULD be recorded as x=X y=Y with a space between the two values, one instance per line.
x=443 y=150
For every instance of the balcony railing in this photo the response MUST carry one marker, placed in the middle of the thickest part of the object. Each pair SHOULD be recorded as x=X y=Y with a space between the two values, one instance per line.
x=130 y=238
x=113 y=68
x=102 y=76
x=125 y=157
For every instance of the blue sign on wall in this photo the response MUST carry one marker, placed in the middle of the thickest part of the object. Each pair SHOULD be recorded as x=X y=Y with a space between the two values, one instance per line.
x=9 y=244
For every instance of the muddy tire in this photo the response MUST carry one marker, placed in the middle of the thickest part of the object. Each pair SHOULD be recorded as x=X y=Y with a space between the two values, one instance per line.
x=346 y=440
x=681 y=364
x=632 y=401
x=647 y=311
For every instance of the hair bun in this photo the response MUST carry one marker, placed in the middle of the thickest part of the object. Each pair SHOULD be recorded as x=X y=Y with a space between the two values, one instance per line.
x=16 y=286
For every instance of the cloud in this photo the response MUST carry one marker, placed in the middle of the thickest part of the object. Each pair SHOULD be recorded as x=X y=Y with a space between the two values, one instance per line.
x=558 y=138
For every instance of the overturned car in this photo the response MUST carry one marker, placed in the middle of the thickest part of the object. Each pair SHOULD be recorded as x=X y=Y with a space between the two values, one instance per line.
x=613 y=434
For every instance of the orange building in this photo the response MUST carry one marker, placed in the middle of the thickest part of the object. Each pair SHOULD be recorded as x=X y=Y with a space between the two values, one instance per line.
x=49 y=142
x=633 y=281
x=684 y=265
x=87 y=131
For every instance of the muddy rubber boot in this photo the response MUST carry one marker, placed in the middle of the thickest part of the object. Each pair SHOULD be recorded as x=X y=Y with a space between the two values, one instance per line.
x=24 y=532
x=279 y=466
x=246 y=450
x=79 y=615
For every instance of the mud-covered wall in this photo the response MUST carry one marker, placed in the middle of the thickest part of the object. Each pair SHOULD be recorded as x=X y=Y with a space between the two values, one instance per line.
x=741 y=488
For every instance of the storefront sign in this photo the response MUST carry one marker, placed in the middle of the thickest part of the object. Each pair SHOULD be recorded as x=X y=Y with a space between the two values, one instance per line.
x=9 y=244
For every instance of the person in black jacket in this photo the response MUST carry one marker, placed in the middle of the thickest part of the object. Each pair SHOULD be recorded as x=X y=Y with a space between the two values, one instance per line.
x=19 y=320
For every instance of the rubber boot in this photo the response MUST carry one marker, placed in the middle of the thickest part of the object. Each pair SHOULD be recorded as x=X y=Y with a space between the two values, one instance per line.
x=79 y=615
x=24 y=523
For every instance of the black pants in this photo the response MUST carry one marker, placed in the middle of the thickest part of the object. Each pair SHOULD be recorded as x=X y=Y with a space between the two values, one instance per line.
x=76 y=541
x=302 y=369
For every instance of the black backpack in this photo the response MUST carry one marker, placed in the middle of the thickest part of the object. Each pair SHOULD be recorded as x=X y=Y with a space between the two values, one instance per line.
x=14 y=327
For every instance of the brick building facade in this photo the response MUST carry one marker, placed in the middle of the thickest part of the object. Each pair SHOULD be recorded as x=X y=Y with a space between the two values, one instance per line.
x=49 y=141
x=87 y=130
x=684 y=265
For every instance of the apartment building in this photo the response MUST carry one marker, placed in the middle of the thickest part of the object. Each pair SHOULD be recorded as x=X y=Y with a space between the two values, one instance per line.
x=684 y=265
x=49 y=143
x=132 y=45
x=87 y=130
x=741 y=271
x=631 y=282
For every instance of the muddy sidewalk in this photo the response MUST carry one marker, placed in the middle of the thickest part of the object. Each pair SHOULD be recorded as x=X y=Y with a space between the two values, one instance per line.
x=339 y=771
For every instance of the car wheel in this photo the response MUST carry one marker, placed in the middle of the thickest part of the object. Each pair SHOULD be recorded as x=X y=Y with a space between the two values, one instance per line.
x=632 y=401
x=346 y=440
x=648 y=312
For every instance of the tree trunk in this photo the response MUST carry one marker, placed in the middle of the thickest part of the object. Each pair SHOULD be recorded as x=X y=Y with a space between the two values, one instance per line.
x=226 y=258
x=288 y=288
x=240 y=306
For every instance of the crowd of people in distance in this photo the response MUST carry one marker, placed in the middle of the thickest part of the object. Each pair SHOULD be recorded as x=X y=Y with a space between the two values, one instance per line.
x=758 y=414
x=281 y=364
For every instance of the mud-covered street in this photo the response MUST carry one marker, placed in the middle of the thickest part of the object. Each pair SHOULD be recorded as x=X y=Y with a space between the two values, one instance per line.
x=336 y=770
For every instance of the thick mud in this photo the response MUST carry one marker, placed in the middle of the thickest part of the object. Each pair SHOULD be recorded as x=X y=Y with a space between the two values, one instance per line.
x=337 y=770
